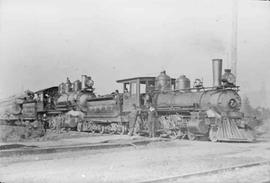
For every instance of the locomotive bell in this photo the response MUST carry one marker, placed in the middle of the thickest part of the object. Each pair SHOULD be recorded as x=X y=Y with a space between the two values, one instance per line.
x=217 y=72
x=228 y=77
x=163 y=82
x=182 y=83
x=87 y=82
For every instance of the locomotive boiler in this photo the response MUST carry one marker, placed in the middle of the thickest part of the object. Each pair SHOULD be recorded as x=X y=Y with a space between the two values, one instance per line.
x=76 y=94
x=18 y=107
x=221 y=100
x=18 y=115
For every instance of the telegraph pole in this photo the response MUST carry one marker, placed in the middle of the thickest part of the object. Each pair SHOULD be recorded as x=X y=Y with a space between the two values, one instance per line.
x=234 y=37
x=234 y=56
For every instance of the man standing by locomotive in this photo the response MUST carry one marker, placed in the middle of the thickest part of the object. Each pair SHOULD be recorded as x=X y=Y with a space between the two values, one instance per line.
x=45 y=122
x=152 y=121
x=133 y=117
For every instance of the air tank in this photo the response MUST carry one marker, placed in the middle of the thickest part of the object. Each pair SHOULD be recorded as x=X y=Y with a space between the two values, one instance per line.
x=182 y=83
x=217 y=72
x=163 y=82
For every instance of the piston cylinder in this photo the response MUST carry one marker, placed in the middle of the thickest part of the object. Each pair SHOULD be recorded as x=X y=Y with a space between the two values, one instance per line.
x=198 y=126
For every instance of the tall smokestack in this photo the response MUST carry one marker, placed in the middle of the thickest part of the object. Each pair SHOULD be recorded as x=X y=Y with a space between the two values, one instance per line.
x=217 y=72
x=83 y=81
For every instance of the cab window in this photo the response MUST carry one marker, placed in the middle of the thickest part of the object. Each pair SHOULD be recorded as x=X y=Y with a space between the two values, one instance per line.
x=133 y=88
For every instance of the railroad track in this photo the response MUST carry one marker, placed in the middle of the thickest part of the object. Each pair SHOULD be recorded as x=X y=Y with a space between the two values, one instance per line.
x=209 y=172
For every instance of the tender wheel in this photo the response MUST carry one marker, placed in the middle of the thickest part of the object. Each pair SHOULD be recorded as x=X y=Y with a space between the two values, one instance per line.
x=102 y=129
x=123 y=129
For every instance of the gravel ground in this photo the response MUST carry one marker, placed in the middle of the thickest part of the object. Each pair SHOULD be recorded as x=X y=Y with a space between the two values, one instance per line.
x=247 y=175
x=15 y=134
x=133 y=164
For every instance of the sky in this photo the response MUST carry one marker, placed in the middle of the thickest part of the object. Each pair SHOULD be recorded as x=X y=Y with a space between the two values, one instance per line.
x=43 y=42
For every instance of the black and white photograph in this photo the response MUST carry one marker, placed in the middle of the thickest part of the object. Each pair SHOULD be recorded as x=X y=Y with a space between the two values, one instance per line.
x=134 y=91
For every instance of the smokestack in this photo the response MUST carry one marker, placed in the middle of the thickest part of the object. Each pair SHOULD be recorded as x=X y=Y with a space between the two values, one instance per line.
x=83 y=81
x=217 y=72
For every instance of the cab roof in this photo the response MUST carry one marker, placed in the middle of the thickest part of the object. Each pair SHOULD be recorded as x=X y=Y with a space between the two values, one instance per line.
x=141 y=79
x=135 y=78
x=47 y=89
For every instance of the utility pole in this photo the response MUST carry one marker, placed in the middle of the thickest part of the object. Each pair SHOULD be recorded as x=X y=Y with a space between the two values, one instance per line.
x=234 y=37
x=234 y=40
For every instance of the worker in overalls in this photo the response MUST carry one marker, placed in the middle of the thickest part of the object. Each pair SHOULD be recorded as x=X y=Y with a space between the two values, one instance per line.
x=133 y=118
x=45 y=122
x=152 y=121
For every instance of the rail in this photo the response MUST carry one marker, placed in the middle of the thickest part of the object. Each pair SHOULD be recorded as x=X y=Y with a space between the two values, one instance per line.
x=209 y=172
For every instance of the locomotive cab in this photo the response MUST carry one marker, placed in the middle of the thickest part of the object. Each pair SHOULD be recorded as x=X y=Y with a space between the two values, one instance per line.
x=136 y=91
x=46 y=99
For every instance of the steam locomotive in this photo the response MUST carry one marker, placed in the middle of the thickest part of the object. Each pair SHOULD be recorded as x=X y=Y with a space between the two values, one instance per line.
x=184 y=111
